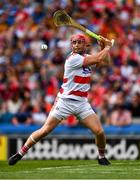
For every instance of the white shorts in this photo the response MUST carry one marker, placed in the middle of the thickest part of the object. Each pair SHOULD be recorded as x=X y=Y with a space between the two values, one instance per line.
x=65 y=107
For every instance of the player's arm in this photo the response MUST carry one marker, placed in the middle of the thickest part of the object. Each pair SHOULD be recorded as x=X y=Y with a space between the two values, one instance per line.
x=101 y=57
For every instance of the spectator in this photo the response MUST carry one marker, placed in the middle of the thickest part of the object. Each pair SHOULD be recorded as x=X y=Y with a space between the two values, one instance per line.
x=38 y=114
x=23 y=116
x=134 y=105
x=14 y=104
x=120 y=116
x=5 y=115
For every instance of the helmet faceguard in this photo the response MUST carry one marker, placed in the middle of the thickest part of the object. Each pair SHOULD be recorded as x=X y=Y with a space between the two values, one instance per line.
x=78 y=37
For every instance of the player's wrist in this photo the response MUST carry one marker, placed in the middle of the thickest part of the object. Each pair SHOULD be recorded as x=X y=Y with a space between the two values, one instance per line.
x=107 y=47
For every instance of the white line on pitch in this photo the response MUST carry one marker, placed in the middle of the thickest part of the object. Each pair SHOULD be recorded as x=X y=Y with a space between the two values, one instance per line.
x=65 y=167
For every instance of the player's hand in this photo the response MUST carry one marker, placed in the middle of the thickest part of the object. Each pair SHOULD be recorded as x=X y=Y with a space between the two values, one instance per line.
x=101 y=44
x=105 y=42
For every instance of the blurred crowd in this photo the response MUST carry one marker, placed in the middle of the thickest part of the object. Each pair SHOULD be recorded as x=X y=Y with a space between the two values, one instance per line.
x=30 y=77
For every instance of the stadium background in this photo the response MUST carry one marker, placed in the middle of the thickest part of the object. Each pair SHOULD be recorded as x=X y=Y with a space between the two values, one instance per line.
x=30 y=78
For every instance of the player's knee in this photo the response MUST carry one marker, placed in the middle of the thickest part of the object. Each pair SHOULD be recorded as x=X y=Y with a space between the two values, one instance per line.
x=43 y=132
x=99 y=131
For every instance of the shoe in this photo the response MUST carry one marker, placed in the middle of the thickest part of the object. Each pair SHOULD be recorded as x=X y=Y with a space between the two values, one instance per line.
x=14 y=159
x=103 y=161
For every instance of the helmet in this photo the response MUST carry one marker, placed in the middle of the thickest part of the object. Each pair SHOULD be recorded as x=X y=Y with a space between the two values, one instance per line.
x=78 y=37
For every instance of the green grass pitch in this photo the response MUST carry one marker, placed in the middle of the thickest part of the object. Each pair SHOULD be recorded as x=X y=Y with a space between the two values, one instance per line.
x=70 y=169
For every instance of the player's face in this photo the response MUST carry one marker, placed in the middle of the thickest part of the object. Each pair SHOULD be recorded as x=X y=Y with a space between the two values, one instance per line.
x=78 y=46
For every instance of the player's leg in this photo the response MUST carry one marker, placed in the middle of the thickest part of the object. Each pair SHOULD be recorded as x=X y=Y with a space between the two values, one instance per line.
x=49 y=125
x=93 y=123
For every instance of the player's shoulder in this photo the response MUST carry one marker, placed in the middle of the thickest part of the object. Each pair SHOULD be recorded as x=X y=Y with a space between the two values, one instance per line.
x=73 y=56
x=74 y=60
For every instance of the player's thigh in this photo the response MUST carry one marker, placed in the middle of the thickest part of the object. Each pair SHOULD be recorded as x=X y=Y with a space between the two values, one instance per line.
x=50 y=123
x=93 y=123
x=61 y=109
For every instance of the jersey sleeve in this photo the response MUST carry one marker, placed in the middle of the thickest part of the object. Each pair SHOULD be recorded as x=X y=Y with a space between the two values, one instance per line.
x=76 y=61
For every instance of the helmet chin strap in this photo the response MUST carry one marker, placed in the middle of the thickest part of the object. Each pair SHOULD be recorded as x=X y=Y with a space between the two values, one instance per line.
x=80 y=52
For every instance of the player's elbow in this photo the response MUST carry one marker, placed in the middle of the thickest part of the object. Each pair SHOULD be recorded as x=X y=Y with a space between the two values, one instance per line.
x=103 y=62
x=99 y=59
x=108 y=60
